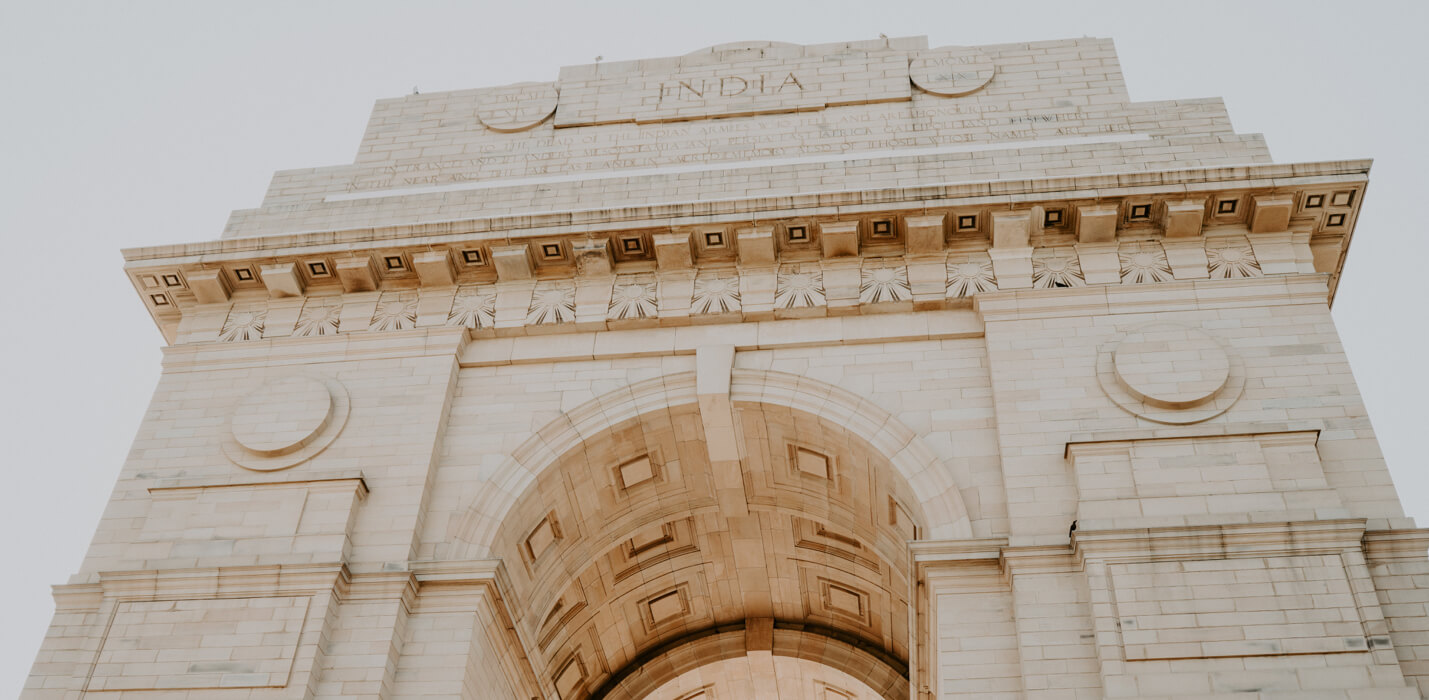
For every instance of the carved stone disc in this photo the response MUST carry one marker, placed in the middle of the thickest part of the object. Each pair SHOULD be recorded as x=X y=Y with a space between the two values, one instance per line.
x=286 y=421
x=282 y=415
x=1171 y=366
x=1170 y=373
x=517 y=107
x=951 y=71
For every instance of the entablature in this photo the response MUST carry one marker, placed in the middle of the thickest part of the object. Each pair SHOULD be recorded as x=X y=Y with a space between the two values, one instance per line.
x=772 y=257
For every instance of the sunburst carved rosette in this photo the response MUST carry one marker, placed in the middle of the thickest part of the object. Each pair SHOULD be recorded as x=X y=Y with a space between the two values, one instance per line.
x=970 y=274
x=881 y=283
x=473 y=307
x=1144 y=262
x=551 y=303
x=716 y=293
x=395 y=311
x=1056 y=267
x=633 y=298
x=799 y=288
x=320 y=316
x=1232 y=258
x=244 y=322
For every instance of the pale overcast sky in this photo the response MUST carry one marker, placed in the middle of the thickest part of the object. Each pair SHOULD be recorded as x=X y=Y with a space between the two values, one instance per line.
x=141 y=123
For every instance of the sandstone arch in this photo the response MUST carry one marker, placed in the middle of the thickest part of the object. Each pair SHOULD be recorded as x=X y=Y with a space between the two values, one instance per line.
x=942 y=504
x=619 y=536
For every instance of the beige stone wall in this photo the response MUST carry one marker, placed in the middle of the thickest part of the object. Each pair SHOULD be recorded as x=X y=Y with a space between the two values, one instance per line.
x=1296 y=379
x=980 y=395
x=1399 y=583
x=180 y=502
x=435 y=419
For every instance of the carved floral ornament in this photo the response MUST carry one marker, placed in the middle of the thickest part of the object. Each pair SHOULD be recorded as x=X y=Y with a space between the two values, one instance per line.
x=970 y=274
x=882 y=283
x=244 y=322
x=1144 y=262
x=395 y=311
x=552 y=302
x=473 y=307
x=716 y=293
x=633 y=298
x=799 y=287
x=794 y=290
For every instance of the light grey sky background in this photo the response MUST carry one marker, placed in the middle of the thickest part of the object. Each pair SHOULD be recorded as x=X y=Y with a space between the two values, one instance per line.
x=140 y=123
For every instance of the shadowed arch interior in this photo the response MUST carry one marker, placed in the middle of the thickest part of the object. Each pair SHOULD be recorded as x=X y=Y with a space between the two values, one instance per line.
x=723 y=662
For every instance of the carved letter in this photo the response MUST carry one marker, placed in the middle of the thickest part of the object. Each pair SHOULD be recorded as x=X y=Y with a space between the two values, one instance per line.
x=743 y=85
x=790 y=80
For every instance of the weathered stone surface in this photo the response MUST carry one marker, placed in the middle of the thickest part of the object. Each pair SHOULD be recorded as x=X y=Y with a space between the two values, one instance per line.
x=859 y=370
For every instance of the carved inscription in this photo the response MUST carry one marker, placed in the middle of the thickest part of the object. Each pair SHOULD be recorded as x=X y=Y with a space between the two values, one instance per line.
x=517 y=107
x=700 y=91
x=951 y=71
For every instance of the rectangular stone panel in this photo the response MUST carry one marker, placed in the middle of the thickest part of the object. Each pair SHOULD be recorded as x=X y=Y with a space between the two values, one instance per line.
x=976 y=645
x=811 y=463
x=715 y=90
x=1158 y=481
x=192 y=644
x=666 y=606
x=1258 y=606
x=244 y=523
x=636 y=472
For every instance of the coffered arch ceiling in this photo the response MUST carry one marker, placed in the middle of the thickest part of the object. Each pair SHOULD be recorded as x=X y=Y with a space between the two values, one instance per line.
x=624 y=545
x=936 y=494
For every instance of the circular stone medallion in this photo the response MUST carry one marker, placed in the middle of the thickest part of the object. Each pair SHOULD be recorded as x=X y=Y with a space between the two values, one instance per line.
x=281 y=416
x=516 y=107
x=285 y=421
x=1169 y=373
x=951 y=71
x=1171 y=366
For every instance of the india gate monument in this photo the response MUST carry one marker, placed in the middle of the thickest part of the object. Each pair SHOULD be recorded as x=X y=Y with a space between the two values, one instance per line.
x=854 y=371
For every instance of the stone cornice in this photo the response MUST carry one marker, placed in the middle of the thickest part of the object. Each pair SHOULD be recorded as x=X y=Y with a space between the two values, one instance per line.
x=1174 y=543
x=1219 y=541
x=826 y=255
x=340 y=480
x=466 y=571
x=1396 y=545
x=957 y=551
x=1077 y=441
x=535 y=224
x=224 y=581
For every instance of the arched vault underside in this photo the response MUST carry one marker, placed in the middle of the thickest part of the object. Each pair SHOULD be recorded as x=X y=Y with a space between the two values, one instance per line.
x=934 y=491
x=728 y=527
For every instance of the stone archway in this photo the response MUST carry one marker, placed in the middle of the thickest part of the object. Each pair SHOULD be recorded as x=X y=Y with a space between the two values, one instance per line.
x=626 y=528
x=945 y=515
